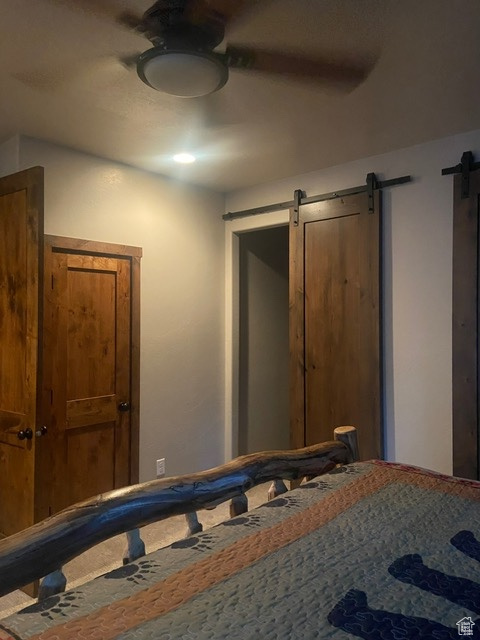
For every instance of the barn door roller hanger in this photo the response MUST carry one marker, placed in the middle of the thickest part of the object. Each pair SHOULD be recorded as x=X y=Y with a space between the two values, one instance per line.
x=465 y=167
x=371 y=185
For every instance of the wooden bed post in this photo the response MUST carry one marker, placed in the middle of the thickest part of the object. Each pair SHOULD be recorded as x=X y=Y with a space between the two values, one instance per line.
x=276 y=489
x=55 y=582
x=193 y=525
x=135 y=546
x=348 y=435
x=238 y=505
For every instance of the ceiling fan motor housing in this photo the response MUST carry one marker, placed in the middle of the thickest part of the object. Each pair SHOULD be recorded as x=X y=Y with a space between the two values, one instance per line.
x=182 y=62
x=167 y=24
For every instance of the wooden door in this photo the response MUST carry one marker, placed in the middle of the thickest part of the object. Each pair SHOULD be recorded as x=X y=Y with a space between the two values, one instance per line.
x=335 y=322
x=89 y=369
x=466 y=288
x=21 y=241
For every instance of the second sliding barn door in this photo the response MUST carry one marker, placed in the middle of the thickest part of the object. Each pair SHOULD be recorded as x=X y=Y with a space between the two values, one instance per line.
x=466 y=327
x=335 y=321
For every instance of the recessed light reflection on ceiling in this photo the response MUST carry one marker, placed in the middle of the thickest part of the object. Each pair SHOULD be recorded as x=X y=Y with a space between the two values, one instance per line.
x=184 y=158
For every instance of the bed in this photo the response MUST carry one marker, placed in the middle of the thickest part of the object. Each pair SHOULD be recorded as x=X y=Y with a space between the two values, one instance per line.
x=371 y=550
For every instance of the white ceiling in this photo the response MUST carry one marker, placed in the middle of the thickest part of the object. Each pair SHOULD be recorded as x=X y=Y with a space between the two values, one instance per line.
x=61 y=81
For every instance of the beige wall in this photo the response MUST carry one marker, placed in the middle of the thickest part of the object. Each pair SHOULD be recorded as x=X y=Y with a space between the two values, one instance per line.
x=180 y=230
x=9 y=155
x=417 y=290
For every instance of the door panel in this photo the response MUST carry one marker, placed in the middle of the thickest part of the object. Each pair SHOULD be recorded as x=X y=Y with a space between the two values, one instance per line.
x=91 y=302
x=335 y=302
x=91 y=411
x=466 y=321
x=90 y=460
x=331 y=338
x=21 y=238
x=90 y=344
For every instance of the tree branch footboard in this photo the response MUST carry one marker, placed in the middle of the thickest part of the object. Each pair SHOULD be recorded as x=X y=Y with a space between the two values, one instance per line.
x=42 y=550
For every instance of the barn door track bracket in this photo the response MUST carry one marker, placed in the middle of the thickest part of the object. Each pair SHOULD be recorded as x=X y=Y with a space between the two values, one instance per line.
x=300 y=197
x=297 y=200
x=465 y=167
x=371 y=186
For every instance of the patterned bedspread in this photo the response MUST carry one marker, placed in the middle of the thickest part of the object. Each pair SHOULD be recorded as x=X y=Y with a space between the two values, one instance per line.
x=374 y=550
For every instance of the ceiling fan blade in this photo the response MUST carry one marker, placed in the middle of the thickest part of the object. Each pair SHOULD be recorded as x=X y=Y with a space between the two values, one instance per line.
x=223 y=11
x=129 y=60
x=65 y=76
x=98 y=8
x=129 y=20
x=106 y=9
x=326 y=68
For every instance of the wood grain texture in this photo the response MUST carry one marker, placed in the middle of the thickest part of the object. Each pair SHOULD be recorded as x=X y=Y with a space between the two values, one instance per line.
x=21 y=282
x=276 y=489
x=193 y=524
x=348 y=435
x=465 y=329
x=238 y=505
x=123 y=372
x=135 y=369
x=135 y=546
x=92 y=341
x=44 y=547
x=50 y=468
x=13 y=301
x=90 y=348
x=21 y=233
x=55 y=582
x=93 y=246
x=297 y=335
x=335 y=311
x=86 y=411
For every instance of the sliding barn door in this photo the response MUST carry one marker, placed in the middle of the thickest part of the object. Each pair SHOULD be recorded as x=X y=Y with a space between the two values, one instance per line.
x=466 y=286
x=336 y=322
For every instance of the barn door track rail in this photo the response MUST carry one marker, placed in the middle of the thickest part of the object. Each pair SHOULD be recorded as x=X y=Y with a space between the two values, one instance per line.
x=300 y=197
x=465 y=167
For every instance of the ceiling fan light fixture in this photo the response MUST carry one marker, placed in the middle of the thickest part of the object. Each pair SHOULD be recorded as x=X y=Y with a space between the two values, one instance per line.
x=182 y=73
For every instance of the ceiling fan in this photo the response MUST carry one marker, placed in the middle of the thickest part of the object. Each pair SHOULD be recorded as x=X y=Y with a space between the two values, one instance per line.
x=184 y=61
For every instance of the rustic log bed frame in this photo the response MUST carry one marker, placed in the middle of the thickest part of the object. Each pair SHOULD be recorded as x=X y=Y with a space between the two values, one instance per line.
x=41 y=550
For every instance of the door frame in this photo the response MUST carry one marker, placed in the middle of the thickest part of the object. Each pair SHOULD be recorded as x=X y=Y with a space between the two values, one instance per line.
x=134 y=254
x=233 y=229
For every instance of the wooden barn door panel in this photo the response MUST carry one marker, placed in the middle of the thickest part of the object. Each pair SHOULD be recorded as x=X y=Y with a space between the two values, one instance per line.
x=466 y=288
x=88 y=337
x=335 y=313
x=21 y=240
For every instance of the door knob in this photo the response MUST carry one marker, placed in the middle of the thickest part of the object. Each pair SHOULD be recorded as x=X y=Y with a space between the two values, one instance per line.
x=25 y=434
x=124 y=406
x=41 y=432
